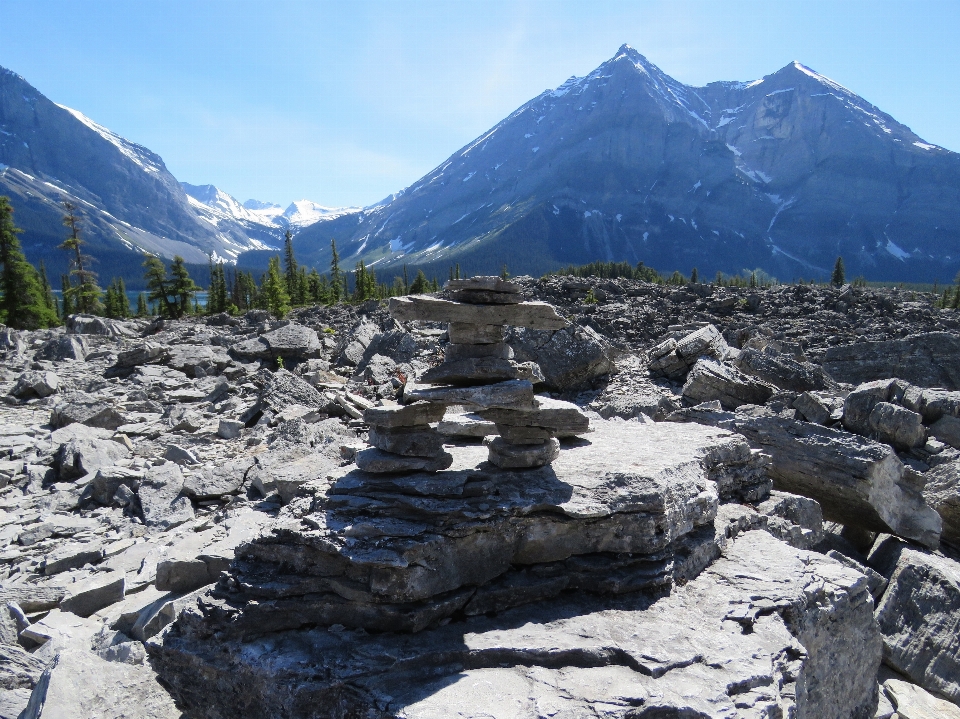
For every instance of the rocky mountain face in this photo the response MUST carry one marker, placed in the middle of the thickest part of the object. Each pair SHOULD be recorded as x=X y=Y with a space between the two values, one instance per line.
x=129 y=202
x=784 y=173
x=762 y=520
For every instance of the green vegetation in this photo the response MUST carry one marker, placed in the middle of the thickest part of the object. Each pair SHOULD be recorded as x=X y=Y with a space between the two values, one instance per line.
x=81 y=286
x=25 y=302
x=115 y=303
x=273 y=293
x=839 y=275
x=174 y=290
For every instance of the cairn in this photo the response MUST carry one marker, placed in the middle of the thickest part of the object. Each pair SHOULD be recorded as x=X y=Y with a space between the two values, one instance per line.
x=478 y=372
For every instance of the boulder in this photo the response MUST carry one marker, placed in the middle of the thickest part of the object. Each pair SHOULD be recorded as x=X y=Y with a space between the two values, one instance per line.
x=930 y=359
x=569 y=358
x=919 y=615
x=146 y=353
x=163 y=506
x=398 y=345
x=92 y=593
x=913 y=702
x=85 y=450
x=64 y=347
x=813 y=408
x=768 y=630
x=94 y=325
x=292 y=341
x=947 y=430
x=514 y=394
x=783 y=371
x=942 y=492
x=359 y=338
x=109 y=478
x=672 y=358
x=208 y=359
x=34 y=383
x=534 y=315
x=709 y=380
x=86 y=409
x=284 y=388
x=897 y=425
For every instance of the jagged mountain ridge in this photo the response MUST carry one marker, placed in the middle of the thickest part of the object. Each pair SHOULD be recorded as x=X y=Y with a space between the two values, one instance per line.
x=129 y=202
x=626 y=163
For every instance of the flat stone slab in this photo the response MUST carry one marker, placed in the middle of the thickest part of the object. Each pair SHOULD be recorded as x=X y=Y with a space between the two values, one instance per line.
x=497 y=350
x=513 y=394
x=564 y=417
x=480 y=370
x=521 y=456
x=487 y=283
x=377 y=461
x=768 y=630
x=403 y=552
x=423 y=441
x=536 y=315
x=410 y=415
x=469 y=333
x=466 y=425
x=484 y=297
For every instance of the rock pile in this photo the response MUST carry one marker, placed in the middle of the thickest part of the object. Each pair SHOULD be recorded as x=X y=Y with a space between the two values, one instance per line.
x=478 y=369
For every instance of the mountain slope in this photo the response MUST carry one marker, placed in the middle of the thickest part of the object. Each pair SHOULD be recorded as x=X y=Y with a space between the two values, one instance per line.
x=783 y=173
x=129 y=202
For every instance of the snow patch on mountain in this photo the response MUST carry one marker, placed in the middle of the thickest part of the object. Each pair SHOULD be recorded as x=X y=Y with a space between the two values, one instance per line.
x=139 y=154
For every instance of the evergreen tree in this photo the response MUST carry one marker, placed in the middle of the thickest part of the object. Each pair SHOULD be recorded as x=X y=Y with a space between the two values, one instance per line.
x=83 y=290
x=336 y=281
x=48 y=299
x=181 y=286
x=420 y=285
x=406 y=283
x=142 y=309
x=109 y=302
x=694 y=277
x=290 y=268
x=504 y=275
x=273 y=290
x=67 y=308
x=753 y=279
x=158 y=285
x=217 y=299
x=23 y=304
x=456 y=272
x=839 y=274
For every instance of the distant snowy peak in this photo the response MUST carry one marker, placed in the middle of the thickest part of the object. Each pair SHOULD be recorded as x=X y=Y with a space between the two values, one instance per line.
x=298 y=215
x=147 y=160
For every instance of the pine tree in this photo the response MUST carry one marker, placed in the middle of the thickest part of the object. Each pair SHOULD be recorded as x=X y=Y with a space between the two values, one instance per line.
x=753 y=279
x=456 y=272
x=290 y=268
x=839 y=274
x=420 y=285
x=48 y=299
x=158 y=285
x=67 y=308
x=273 y=290
x=694 y=277
x=142 y=309
x=336 y=281
x=23 y=304
x=85 y=293
x=504 y=275
x=406 y=283
x=181 y=286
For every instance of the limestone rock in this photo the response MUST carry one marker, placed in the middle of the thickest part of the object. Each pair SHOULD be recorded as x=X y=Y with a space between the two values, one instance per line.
x=160 y=497
x=480 y=370
x=419 y=441
x=191 y=358
x=813 y=408
x=377 y=461
x=913 y=702
x=930 y=359
x=147 y=353
x=34 y=383
x=485 y=297
x=947 y=430
x=942 y=492
x=709 y=380
x=569 y=358
x=919 y=615
x=564 y=418
x=514 y=394
x=470 y=333
x=418 y=413
x=292 y=341
x=85 y=450
x=521 y=456
x=767 y=628
x=783 y=371
x=64 y=347
x=535 y=315
x=483 y=283
x=897 y=426
x=88 y=410
x=466 y=424
x=496 y=350
x=99 y=590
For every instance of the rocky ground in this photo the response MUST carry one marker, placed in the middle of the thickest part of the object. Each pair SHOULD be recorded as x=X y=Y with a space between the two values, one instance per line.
x=138 y=456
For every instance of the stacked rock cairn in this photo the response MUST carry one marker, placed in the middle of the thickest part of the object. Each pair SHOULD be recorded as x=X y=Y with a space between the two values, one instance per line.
x=478 y=372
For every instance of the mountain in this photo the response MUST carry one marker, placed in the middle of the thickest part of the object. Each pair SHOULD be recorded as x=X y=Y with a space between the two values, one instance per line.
x=783 y=173
x=129 y=202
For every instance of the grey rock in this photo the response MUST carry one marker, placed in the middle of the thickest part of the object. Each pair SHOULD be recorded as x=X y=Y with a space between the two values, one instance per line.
x=109 y=478
x=876 y=582
x=535 y=315
x=929 y=359
x=359 y=338
x=812 y=408
x=485 y=283
x=569 y=358
x=942 y=492
x=897 y=426
x=181 y=418
x=481 y=370
x=565 y=418
x=229 y=428
x=808 y=647
x=180 y=455
x=512 y=434
x=292 y=341
x=222 y=479
x=398 y=345
x=191 y=358
x=86 y=451
x=88 y=410
x=947 y=430
x=485 y=297
x=860 y=403
x=709 y=380
x=521 y=456
x=99 y=590
x=932 y=403
x=72 y=556
x=64 y=347
x=418 y=413
x=913 y=702
x=160 y=498
x=408 y=441
x=285 y=388
x=250 y=349
x=495 y=350
x=467 y=424
x=919 y=615
x=377 y=461
x=783 y=371
x=147 y=353
x=94 y=325
x=796 y=520
x=514 y=394
x=470 y=333
x=18 y=668
x=34 y=383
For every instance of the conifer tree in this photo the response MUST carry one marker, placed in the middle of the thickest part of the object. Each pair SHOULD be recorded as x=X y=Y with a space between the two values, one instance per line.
x=273 y=290
x=142 y=309
x=406 y=283
x=83 y=290
x=48 y=299
x=290 y=268
x=420 y=284
x=67 y=308
x=182 y=286
x=22 y=305
x=839 y=274
x=694 y=276
x=336 y=281
x=158 y=285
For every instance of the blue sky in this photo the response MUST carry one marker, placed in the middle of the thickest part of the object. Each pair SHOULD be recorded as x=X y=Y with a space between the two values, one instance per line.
x=344 y=103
